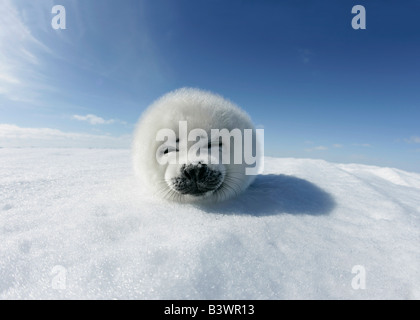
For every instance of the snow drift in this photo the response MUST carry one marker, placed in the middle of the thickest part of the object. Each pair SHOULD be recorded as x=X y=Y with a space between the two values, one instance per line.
x=74 y=224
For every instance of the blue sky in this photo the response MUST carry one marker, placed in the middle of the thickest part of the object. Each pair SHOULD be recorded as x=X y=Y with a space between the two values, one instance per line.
x=319 y=88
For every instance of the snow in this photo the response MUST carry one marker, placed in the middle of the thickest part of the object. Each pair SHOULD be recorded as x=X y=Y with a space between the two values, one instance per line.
x=74 y=224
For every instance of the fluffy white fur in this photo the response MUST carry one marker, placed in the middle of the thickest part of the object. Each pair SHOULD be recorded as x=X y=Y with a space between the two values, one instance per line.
x=201 y=109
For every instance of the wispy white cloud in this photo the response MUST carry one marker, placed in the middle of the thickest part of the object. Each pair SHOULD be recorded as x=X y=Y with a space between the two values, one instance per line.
x=19 y=62
x=317 y=148
x=413 y=139
x=15 y=136
x=322 y=147
x=94 y=119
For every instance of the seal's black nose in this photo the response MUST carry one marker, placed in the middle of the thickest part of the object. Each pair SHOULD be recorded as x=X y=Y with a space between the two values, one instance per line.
x=195 y=173
x=197 y=179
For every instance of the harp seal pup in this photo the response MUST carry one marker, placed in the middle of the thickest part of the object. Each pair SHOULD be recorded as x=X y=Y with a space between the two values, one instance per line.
x=164 y=162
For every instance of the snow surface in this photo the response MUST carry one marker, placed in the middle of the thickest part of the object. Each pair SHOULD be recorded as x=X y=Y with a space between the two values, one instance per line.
x=296 y=233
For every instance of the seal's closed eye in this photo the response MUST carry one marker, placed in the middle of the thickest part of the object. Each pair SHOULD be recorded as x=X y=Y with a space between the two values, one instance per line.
x=167 y=150
x=214 y=144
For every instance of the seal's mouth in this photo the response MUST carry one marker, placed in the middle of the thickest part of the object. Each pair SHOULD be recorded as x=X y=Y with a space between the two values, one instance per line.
x=197 y=180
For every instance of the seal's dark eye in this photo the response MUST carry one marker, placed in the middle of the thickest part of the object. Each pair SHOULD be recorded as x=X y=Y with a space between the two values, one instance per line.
x=167 y=150
x=213 y=145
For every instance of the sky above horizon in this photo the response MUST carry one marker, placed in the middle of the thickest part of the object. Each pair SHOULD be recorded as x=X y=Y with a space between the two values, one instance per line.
x=319 y=88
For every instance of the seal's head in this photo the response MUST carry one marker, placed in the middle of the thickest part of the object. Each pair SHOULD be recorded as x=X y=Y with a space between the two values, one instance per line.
x=195 y=146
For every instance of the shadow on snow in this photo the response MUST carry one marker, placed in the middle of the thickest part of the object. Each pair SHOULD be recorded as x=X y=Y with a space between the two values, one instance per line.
x=277 y=194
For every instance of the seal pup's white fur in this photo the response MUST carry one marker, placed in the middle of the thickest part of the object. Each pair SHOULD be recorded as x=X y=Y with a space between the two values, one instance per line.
x=200 y=109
